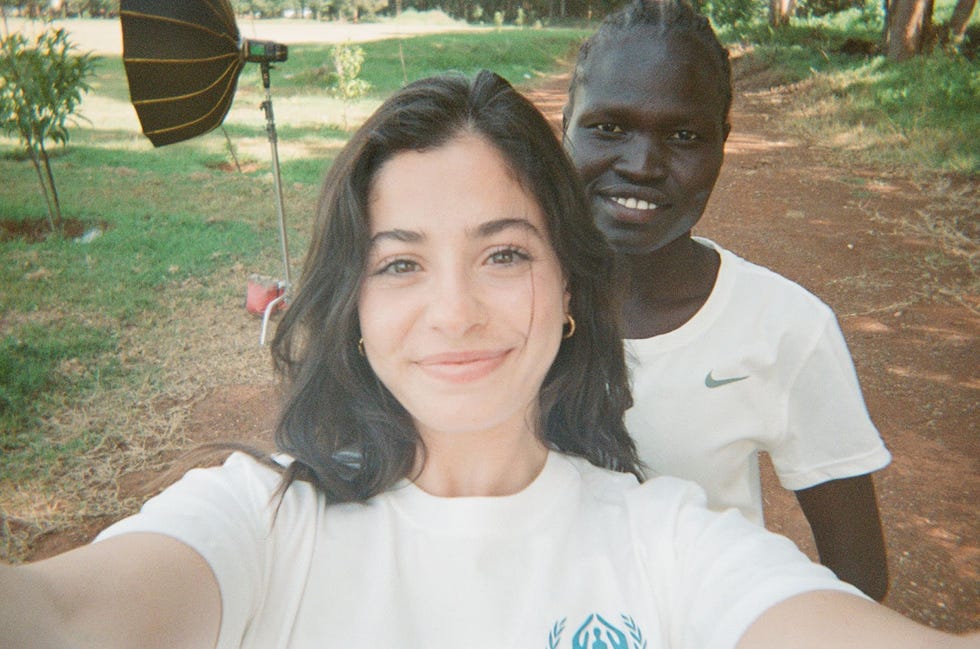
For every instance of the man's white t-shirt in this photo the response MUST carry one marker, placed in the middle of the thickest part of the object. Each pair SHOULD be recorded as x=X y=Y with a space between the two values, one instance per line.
x=582 y=558
x=762 y=366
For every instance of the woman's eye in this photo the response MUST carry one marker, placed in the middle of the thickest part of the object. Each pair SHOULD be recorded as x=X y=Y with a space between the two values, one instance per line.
x=398 y=267
x=507 y=256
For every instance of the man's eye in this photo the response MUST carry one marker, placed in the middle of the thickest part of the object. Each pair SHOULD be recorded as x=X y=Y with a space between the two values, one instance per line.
x=608 y=127
x=685 y=136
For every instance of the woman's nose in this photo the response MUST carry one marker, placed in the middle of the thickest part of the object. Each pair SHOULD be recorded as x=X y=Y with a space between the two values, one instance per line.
x=456 y=304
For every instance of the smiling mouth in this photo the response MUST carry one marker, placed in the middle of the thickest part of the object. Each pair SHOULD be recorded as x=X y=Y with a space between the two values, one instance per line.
x=633 y=211
x=464 y=367
x=632 y=203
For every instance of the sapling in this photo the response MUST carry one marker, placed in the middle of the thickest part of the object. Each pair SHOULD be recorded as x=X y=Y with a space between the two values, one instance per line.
x=41 y=86
x=347 y=62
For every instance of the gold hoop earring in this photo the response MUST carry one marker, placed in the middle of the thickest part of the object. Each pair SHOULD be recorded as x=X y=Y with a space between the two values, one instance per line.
x=360 y=347
x=571 y=327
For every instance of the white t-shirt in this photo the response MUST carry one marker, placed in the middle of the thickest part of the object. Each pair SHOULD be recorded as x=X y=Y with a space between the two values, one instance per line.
x=582 y=556
x=761 y=366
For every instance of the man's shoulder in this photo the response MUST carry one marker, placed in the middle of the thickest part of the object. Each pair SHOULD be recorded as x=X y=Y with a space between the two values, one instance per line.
x=760 y=286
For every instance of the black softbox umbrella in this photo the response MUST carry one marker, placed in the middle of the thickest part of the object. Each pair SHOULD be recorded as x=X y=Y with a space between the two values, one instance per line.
x=182 y=60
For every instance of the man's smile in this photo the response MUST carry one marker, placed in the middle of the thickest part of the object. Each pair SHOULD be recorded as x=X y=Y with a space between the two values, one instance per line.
x=633 y=203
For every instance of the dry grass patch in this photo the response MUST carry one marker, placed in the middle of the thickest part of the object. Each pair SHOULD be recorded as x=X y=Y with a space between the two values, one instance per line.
x=175 y=360
x=950 y=221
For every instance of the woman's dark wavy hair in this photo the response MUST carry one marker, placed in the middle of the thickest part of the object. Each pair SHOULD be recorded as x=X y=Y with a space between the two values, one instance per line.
x=665 y=17
x=349 y=436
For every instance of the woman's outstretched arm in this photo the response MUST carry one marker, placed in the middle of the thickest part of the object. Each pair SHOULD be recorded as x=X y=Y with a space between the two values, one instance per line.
x=134 y=590
x=837 y=620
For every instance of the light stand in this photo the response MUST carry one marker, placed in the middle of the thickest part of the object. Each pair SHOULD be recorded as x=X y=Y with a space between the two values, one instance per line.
x=270 y=128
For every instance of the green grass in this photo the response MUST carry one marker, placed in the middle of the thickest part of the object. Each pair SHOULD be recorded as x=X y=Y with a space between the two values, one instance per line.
x=36 y=363
x=914 y=116
x=518 y=55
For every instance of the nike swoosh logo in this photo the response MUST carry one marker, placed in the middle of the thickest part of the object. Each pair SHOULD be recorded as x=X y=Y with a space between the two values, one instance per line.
x=712 y=382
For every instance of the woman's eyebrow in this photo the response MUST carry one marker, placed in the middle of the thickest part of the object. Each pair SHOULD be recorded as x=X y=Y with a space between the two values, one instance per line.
x=397 y=234
x=484 y=230
x=491 y=228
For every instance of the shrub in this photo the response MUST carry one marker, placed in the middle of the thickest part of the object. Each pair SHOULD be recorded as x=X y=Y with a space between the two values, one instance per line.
x=347 y=62
x=41 y=86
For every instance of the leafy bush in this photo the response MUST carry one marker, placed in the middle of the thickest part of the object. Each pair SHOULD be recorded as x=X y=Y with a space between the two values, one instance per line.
x=41 y=86
x=729 y=13
x=824 y=7
x=348 y=85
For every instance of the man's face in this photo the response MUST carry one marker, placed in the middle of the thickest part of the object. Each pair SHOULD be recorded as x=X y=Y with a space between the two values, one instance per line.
x=646 y=130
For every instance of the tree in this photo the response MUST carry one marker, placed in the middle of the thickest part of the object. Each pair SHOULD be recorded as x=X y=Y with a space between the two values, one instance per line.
x=907 y=28
x=730 y=13
x=960 y=19
x=780 y=11
x=41 y=86
x=347 y=62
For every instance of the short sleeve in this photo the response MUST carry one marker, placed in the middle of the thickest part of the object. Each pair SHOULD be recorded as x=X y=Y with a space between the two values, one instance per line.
x=714 y=573
x=829 y=433
x=224 y=514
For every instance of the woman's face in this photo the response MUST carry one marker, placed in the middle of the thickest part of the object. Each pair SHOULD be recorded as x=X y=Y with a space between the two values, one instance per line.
x=647 y=133
x=463 y=301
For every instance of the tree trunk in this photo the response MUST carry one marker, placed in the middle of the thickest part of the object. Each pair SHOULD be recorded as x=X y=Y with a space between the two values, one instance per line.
x=52 y=186
x=44 y=185
x=908 y=25
x=885 y=31
x=780 y=12
x=960 y=19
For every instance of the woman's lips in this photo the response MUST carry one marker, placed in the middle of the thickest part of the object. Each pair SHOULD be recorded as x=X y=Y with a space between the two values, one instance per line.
x=462 y=367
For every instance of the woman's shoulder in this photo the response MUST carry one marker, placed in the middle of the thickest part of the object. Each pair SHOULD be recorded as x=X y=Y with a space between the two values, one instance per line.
x=244 y=483
x=624 y=490
x=599 y=479
x=254 y=472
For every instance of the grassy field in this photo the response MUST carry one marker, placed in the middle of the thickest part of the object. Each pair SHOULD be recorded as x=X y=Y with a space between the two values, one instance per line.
x=917 y=115
x=104 y=343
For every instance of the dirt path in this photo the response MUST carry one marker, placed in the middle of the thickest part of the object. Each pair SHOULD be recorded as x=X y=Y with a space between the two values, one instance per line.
x=852 y=236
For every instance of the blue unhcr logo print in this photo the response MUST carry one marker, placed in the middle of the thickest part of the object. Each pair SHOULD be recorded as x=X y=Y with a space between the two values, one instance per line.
x=598 y=633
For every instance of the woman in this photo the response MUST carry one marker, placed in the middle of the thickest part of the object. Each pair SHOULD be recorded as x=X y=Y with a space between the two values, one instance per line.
x=453 y=381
